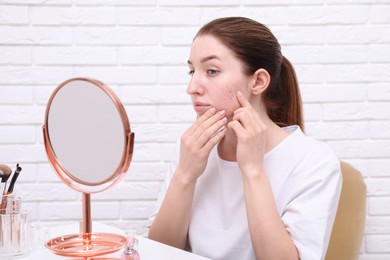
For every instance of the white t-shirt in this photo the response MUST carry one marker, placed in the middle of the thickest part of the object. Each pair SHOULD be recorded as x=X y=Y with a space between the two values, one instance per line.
x=306 y=183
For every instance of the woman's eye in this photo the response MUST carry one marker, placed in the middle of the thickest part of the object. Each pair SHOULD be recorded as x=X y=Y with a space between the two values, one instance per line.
x=212 y=72
x=191 y=72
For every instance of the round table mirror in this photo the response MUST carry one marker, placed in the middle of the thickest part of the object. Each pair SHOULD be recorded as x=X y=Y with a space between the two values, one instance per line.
x=89 y=144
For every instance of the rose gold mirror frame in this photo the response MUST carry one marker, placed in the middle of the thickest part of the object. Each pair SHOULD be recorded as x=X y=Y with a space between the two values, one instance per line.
x=64 y=175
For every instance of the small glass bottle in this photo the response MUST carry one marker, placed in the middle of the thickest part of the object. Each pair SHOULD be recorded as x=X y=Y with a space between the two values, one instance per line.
x=130 y=251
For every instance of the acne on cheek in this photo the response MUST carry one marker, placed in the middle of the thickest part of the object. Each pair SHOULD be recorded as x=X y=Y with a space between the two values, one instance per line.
x=230 y=102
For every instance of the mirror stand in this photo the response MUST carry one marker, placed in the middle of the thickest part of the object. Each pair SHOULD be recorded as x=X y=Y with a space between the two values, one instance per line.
x=86 y=244
x=89 y=144
x=86 y=223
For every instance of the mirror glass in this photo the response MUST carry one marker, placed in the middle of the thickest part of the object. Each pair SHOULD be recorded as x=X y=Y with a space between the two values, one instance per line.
x=87 y=132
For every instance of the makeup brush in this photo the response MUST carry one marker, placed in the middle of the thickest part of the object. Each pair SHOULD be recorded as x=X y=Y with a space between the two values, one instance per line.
x=14 y=178
x=2 y=183
x=5 y=173
x=11 y=187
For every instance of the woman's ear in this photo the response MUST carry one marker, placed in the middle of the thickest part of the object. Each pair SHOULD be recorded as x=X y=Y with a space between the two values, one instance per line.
x=261 y=81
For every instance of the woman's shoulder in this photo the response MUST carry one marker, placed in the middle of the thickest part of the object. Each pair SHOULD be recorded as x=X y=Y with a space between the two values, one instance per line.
x=306 y=144
x=305 y=155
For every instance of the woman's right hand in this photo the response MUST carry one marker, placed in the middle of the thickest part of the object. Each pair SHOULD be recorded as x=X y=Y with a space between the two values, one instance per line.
x=198 y=141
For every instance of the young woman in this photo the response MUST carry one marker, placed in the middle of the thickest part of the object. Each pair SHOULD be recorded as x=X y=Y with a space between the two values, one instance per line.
x=247 y=183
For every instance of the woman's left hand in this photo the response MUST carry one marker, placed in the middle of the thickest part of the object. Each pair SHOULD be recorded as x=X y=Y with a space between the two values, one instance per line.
x=250 y=131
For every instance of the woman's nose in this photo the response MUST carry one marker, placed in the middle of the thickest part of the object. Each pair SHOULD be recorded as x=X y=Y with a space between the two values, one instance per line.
x=194 y=86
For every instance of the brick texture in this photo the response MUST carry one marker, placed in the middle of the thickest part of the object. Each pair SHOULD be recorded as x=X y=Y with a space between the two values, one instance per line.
x=340 y=49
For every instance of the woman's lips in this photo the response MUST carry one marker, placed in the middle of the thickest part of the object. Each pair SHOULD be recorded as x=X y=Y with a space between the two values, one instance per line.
x=201 y=107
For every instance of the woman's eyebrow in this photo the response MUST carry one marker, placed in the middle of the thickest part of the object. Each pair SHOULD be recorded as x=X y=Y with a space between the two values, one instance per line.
x=207 y=58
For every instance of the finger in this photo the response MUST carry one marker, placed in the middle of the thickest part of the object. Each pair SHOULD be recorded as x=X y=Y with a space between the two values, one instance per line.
x=215 y=139
x=243 y=136
x=244 y=116
x=211 y=131
x=242 y=99
x=209 y=113
x=222 y=128
x=246 y=111
x=204 y=126
x=236 y=127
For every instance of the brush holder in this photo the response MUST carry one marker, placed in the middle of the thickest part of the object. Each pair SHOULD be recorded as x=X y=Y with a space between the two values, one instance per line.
x=14 y=231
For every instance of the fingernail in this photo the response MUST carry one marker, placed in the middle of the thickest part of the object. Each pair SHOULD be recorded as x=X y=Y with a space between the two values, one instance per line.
x=221 y=113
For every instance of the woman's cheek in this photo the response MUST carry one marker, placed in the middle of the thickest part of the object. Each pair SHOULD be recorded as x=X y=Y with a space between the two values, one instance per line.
x=230 y=102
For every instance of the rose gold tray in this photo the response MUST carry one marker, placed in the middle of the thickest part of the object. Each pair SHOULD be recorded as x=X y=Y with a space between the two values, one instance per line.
x=86 y=245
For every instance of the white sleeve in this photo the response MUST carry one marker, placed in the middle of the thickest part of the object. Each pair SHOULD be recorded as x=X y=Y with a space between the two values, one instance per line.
x=312 y=208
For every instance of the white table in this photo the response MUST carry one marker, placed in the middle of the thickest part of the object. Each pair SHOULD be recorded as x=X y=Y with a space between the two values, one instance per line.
x=147 y=249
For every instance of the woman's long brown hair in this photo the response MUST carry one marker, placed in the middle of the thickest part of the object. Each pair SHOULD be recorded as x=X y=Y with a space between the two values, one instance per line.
x=255 y=45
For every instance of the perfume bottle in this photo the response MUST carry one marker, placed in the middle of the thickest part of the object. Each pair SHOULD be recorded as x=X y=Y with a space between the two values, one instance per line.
x=130 y=251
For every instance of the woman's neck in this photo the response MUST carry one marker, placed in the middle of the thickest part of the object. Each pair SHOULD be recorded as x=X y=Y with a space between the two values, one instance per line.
x=227 y=147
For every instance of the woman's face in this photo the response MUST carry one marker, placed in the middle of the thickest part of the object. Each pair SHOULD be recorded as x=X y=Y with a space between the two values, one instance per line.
x=216 y=76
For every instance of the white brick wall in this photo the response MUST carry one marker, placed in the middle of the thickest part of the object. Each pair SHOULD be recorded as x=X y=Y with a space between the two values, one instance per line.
x=341 y=51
